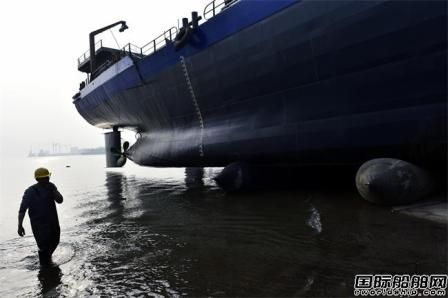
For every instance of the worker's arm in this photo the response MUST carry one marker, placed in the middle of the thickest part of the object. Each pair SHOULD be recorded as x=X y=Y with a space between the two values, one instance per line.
x=22 y=210
x=57 y=195
x=21 y=230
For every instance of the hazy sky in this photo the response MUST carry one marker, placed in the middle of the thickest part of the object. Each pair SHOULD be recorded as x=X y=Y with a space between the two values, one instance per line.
x=40 y=42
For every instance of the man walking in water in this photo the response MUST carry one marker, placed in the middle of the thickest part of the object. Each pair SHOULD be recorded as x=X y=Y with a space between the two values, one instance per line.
x=39 y=200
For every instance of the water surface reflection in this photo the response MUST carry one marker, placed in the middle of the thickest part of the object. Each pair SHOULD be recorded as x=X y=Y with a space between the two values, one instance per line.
x=173 y=232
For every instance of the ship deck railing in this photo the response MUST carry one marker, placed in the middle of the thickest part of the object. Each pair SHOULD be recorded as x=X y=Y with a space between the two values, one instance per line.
x=86 y=55
x=215 y=7
x=211 y=10
x=152 y=46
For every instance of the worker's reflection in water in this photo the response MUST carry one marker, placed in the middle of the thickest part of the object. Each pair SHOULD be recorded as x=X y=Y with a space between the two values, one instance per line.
x=39 y=201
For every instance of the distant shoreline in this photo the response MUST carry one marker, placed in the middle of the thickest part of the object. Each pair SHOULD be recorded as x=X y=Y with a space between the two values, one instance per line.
x=65 y=154
x=73 y=151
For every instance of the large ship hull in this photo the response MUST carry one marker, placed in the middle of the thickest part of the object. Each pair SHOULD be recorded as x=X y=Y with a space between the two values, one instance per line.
x=287 y=82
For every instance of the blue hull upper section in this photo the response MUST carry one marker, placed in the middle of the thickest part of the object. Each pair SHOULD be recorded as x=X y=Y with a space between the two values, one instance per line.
x=300 y=82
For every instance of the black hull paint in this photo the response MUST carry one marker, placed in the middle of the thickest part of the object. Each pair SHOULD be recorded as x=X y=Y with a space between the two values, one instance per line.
x=317 y=83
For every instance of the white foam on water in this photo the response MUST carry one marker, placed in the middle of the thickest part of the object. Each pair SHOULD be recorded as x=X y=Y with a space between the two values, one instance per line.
x=63 y=254
x=314 y=220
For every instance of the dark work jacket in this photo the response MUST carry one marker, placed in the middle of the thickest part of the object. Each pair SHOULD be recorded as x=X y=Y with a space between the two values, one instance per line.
x=39 y=200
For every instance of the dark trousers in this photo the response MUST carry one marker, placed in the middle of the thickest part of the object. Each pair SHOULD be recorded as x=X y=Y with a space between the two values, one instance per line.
x=47 y=239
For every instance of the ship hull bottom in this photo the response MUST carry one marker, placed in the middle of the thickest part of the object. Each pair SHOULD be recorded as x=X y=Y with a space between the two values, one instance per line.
x=351 y=140
x=326 y=157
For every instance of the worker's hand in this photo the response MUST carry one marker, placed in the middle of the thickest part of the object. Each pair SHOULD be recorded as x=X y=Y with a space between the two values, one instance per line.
x=21 y=231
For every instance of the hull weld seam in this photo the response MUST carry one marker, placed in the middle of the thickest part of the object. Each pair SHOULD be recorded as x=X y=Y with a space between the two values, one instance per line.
x=195 y=103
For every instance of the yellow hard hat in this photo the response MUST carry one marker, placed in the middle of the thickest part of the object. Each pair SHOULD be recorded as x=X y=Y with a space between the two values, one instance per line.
x=41 y=173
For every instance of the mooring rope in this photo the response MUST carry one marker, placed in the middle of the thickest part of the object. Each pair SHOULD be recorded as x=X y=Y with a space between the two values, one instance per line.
x=113 y=35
